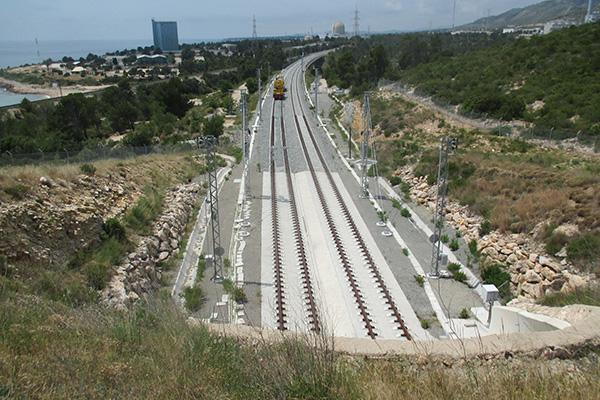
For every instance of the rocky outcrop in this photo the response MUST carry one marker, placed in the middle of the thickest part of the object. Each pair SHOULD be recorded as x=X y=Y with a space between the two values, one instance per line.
x=140 y=272
x=57 y=218
x=533 y=274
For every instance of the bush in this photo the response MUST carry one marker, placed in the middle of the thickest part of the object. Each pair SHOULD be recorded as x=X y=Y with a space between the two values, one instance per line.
x=485 y=228
x=17 y=191
x=97 y=275
x=473 y=248
x=420 y=280
x=425 y=324
x=193 y=297
x=87 y=169
x=395 y=180
x=460 y=277
x=405 y=251
x=405 y=213
x=444 y=238
x=464 y=314
x=496 y=275
x=589 y=295
x=453 y=267
x=112 y=228
x=454 y=245
x=583 y=250
x=396 y=204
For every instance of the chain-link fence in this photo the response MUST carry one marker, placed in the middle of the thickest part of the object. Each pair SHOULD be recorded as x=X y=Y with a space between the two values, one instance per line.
x=90 y=154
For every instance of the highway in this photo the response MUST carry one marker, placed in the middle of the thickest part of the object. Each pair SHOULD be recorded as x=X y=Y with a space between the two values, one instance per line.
x=321 y=267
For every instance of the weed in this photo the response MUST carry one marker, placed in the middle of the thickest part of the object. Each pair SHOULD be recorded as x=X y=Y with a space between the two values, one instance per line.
x=453 y=267
x=112 y=228
x=395 y=180
x=464 y=314
x=425 y=323
x=460 y=277
x=589 y=295
x=473 y=248
x=454 y=245
x=496 y=275
x=444 y=238
x=87 y=169
x=485 y=228
x=584 y=249
x=396 y=204
x=420 y=280
x=405 y=213
x=17 y=191
x=194 y=297
x=405 y=251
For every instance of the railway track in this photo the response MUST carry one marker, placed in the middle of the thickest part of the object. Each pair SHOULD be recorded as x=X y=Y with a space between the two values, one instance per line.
x=307 y=287
x=358 y=239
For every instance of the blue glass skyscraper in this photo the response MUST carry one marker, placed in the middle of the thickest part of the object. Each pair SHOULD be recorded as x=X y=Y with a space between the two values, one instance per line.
x=165 y=35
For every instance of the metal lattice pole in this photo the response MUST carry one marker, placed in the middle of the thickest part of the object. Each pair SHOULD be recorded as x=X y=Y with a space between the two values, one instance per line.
x=259 y=95
x=364 y=147
x=208 y=143
x=245 y=142
x=317 y=79
x=447 y=145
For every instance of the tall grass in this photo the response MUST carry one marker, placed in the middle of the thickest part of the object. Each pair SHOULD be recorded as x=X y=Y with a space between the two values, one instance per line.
x=49 y=351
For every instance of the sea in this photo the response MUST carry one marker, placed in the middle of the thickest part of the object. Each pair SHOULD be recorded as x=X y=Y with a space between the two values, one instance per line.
x=16 y=53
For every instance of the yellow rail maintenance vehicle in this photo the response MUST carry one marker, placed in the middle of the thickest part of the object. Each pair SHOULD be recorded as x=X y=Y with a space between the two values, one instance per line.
x=279 y=89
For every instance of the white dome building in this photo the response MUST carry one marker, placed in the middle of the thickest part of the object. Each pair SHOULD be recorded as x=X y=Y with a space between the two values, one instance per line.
x=338 y=29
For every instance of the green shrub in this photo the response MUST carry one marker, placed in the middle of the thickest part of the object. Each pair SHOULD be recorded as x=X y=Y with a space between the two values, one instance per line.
x=453 y=267
x=425 y=323
x=97 y=275
x=454 y=245
x=420 y=280
x=395 y=180
x=17 y=191
x=485 y=228
x=405 y=251
x=193 y=297
x=87 y=169
x=496 y=275
x=396 y=204
x=405 y=189
x=555 y=242
x=460 y=276
x=405 y=213
x=444 y=238
x=112 y=228
x=473 y=248
x=583 y=250
x=464 y=314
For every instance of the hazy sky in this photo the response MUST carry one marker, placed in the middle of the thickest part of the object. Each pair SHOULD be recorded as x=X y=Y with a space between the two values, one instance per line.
x=199 y=19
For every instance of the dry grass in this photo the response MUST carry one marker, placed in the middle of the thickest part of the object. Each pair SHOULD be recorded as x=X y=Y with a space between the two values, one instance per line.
x=48 y=351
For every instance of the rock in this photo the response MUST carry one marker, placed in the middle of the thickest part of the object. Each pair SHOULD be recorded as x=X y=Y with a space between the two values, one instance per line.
x=45 y=181
x=163 y=256
x=549 y=274
x=506 y=251
x=573 y=282
x=547 y=262
x=174 y=244
x=164 y=246
x=562 y=253
x=531 y=290
x=533 y=257
x=532 y=277
x=490 y=251
x=569 y=230
x=511 y=259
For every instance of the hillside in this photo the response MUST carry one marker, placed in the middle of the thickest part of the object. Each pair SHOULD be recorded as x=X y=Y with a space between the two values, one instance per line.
x=534 y=14
x=551 y=81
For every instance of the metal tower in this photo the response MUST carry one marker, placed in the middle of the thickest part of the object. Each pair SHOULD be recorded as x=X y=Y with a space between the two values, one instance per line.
x=454 y=15
x=364 y=146
x=447 y=145
x=254 y=35
x=245 y=141
x=208 y=144
x=588 y=16
x=258 y=77
x=356 y=19
x=317 y=79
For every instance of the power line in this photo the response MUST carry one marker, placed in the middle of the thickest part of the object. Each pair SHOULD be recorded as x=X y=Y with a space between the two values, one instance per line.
x=254 y=35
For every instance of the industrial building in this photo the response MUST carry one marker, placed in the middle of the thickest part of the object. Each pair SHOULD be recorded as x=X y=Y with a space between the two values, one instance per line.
x=165 y=35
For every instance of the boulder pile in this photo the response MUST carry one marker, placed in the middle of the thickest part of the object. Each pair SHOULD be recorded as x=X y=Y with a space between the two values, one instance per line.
x=533 y=273
x=140 y=272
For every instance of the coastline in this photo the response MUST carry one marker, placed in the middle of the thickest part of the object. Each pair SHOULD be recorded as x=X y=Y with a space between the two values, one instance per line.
x=26 y=88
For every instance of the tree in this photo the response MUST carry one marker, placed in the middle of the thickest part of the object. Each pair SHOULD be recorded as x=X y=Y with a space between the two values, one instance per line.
x=187 y=54
x=213 y=126
x=74 y=115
